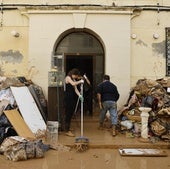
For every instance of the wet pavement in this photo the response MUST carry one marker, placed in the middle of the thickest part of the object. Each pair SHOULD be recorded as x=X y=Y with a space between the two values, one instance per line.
x=103 y=152
x=104 y=139
x=91 y=159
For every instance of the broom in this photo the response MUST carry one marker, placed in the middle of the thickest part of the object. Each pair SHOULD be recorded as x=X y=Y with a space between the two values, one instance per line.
x=81 y=143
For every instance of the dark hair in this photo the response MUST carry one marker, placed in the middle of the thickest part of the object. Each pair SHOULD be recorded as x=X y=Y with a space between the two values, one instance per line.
x=106 y=77
x=74 y=71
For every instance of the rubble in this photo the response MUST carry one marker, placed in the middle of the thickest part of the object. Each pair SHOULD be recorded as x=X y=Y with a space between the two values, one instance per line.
x=20 y=150
x=153 y=94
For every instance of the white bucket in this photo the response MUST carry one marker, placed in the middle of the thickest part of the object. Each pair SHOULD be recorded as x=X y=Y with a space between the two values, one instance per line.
x=52 y=132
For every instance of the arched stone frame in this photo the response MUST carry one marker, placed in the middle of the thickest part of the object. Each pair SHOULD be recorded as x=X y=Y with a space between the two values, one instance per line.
x=85 y=30
x=98 y=64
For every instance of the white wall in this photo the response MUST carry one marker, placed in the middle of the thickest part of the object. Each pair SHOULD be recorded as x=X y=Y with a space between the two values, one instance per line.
x=148 y=53
x=113 y=29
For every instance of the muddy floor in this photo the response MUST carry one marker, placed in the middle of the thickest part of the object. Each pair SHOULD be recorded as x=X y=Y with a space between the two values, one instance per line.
x=91 y=159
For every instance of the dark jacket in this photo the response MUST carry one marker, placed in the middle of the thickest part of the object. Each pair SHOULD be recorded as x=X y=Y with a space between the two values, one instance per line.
x=108 y=91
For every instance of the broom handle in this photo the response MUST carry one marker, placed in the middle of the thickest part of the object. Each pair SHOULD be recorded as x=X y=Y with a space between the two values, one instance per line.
x=81 y=109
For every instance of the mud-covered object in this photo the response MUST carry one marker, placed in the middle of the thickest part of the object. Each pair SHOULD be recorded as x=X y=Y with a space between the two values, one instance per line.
x=4 y=122
x=25 y=150
x=150 y=101
x=144 y=86
x=165 y=112
x=158 y=127
x=6 y=132
x=6 y=129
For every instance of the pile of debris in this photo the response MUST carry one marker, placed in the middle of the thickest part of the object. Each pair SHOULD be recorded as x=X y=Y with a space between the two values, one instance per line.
x=13 y=93
x=23 y=113
x=23 y=117
x=153 y=94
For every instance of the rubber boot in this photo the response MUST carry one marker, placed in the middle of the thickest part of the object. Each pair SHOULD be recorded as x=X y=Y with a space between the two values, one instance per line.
x=113 y=130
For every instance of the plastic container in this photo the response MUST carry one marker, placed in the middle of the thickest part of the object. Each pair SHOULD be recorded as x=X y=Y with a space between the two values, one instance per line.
x=52 y=132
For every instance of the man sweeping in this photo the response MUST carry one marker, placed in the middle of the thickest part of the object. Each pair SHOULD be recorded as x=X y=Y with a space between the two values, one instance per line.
x=108 y=96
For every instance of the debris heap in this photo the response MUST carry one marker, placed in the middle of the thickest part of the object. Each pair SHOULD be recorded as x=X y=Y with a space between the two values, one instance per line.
x=153 y=94
x=14 y=118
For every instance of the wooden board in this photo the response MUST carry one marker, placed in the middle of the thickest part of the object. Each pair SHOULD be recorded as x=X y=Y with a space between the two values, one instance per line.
x=19 y=124
x=143 y=152
x=28 y=109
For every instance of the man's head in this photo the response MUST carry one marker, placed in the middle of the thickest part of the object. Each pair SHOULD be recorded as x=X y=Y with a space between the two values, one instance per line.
x=106 y=77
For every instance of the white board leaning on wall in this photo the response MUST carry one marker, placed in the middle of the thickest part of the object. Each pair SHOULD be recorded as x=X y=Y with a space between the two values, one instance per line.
x=28 y=109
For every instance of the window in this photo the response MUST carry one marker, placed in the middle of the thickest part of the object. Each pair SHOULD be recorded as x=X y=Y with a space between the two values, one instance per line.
x=168 y=51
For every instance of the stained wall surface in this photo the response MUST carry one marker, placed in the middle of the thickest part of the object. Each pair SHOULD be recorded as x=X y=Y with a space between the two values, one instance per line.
x=131 y=51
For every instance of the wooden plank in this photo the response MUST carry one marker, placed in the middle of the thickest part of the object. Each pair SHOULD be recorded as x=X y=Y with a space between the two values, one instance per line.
x=29 y=109
x=19 y=124
x=143 y=152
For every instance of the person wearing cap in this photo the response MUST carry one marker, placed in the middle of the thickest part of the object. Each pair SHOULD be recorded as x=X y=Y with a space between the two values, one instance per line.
x=108 y=95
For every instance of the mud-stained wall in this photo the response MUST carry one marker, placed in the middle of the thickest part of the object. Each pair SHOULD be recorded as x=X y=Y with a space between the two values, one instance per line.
x=143 y=57
x=148 y=47
x=10 y=57
x=13 y=50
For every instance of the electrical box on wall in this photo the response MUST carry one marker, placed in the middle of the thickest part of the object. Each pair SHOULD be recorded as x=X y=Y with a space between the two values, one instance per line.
x=55 y=78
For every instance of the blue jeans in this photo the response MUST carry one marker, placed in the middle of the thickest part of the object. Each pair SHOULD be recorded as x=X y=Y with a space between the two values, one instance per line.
x=110 y=106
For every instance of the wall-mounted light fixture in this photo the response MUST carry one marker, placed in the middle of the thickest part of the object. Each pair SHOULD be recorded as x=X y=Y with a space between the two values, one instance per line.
x=15 y=33
x=133 y=36
x=155 y=36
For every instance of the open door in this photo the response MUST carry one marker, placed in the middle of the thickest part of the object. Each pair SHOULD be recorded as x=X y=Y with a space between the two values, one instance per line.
x=85 y=64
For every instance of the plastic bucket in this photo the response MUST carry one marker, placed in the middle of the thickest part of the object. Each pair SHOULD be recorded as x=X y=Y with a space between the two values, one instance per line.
x=52 y=132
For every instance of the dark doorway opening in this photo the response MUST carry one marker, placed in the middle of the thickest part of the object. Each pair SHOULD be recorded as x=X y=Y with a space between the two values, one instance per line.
x=85 y=64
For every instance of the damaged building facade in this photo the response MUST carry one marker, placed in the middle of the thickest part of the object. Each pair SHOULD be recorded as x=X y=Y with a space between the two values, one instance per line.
x=126 y=39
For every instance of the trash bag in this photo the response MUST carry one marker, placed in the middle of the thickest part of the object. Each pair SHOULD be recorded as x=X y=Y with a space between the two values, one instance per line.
x=6 y=132
x=4 y=122
x=2 y=134
x=150 y=101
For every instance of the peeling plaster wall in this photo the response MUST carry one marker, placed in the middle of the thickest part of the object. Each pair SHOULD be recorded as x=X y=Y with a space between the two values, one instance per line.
x=30 y=54
x=14 y=50
x=9 y=58
x=148 y=53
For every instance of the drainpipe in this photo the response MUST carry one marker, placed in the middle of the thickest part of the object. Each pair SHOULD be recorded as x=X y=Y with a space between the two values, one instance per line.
x=1 y=22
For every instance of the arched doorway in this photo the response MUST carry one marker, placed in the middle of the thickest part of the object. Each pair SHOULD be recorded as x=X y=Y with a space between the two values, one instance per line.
x=82 y=49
